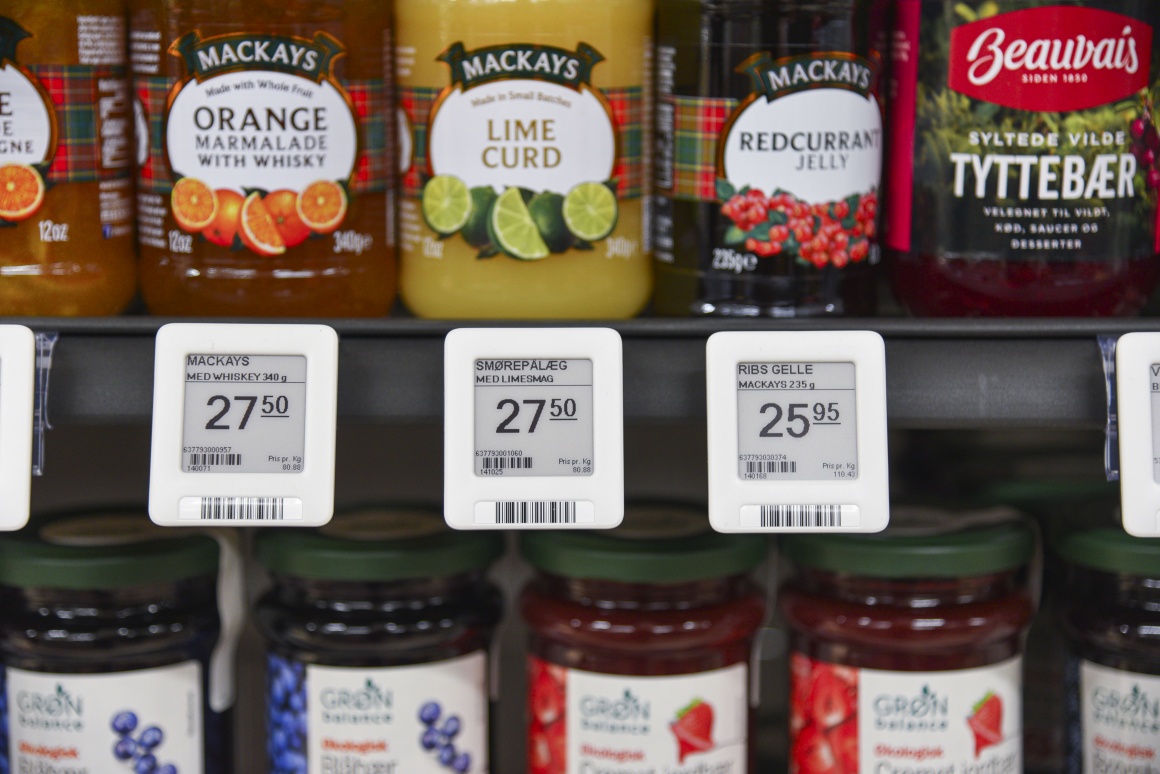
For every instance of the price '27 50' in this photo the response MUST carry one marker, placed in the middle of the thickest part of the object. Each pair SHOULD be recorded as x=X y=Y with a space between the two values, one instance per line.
x=558 y=409
x=272 y=406
x=797 y=421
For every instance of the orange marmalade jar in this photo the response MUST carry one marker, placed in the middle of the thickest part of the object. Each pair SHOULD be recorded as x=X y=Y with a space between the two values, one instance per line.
x=66 y=162
x=265 y=176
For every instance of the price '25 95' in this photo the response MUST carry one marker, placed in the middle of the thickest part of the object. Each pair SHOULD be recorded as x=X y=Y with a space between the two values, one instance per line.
x=798 y=418
x=272 y=406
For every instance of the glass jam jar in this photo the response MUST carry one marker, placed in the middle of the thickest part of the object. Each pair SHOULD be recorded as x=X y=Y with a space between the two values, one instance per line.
x=1108 y=611
x=107 y=626
x=640 y=645
x=906 y=646
x=1023 y=167
x=770 y=144
x=379 y=626
x=66 y=159
x=527 y=158
x=266 y=157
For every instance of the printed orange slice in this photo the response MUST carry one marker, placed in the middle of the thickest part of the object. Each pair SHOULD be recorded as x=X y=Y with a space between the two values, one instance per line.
x=194 y=204
x=257 y=228
x=21 y=191
x=322 y=206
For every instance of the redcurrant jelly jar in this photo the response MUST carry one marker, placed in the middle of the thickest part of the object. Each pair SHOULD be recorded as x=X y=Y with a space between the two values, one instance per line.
x=640 y=646
x=107 y=629
x=906 y=647
x=1108 y=613
x=379 y=627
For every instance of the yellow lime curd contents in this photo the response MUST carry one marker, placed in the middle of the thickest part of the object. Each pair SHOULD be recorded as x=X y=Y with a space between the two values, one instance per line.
x=526 y=157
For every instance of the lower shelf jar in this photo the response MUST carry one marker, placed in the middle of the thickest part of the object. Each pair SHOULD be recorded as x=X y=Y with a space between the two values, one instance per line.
x=640 y=647
x=106 y=634
x=906 y=647
x=379 y=627
x=1109 y=614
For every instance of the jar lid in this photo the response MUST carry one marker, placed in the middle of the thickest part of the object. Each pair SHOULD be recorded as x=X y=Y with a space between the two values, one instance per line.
x=657 y=543
x=1111 y=549
x=922 y=543
x=102 y=550
x=377 y=544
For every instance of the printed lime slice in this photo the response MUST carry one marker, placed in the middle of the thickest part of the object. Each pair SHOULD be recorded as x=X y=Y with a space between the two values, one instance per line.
x=446 y=204
x=513 y=228
x=590 y=211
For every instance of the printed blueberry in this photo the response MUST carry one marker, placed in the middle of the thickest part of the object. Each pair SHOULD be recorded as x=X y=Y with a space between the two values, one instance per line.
x=168 y=768
x=462 y=763
x=151 y=737
x=429 y=713
x=124 y=723
x=447 y=755
x=146 y=764
x=430 y=739
x=124 y=749
x=451 y=726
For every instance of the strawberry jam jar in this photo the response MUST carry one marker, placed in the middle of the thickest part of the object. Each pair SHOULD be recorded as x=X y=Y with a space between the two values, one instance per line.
x=640 y=647
x=906 y=647
x=1108 y=614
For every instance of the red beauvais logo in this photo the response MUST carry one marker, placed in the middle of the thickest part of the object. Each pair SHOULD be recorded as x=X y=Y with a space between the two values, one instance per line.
x=1054 y=58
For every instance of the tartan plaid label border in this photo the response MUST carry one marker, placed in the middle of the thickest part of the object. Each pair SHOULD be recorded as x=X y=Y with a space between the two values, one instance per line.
x=93 y=122
x=369 y=97
x=627 y=113
x=697 y=126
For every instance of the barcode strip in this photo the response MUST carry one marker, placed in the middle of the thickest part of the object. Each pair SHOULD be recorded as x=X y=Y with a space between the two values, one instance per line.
x=801 y=515
x=215 y=459
x=505 y=463
x=535 y=512
x=243 y=508
x=771 y=466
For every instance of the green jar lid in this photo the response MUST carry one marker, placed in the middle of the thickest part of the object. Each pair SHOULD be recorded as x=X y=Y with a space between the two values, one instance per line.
x=103 y=550
x=922 y=543
x=377 y=544
x=1110 y=549
x=655 y=544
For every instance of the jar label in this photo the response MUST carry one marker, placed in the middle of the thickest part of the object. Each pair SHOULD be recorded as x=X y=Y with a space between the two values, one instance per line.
x=521 y=155
x=258 y=144
x=584 y=722
x=105 y=722
x=66 y=123
x=1121 y=719
x=421 y=719
x=960 y=722
x=1024 y=133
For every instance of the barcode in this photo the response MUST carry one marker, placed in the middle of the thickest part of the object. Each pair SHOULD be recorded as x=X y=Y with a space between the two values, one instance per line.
x=771 y=466
x=197 y=460
x=243 y=508
x=801 y=515
x=535 y=512
x=504 y=463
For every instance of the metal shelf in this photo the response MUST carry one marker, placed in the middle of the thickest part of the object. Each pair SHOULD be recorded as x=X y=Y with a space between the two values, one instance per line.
x=940 y=374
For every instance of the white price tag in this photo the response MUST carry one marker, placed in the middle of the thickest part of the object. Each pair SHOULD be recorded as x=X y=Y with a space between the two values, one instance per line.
x=17 y=388
x=533 y=433
x=797 y=432
x=244 y=425
x=1138 y=409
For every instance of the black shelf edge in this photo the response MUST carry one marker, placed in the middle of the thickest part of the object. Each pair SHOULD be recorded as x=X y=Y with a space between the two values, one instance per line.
x=941 y=374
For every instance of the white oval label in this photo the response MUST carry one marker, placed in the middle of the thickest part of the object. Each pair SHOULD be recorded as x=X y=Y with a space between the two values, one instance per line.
x=26 y=131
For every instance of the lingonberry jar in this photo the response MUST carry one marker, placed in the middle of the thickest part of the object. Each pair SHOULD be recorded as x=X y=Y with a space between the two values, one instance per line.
x=906 y=647
x=770 y=145
x=1108 y=614
x=1023 y=167
x=107 y=630
x=379 y=626
x=640 y=646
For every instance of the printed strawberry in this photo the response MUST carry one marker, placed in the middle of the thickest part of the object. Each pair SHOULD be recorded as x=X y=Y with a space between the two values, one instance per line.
x=693 y=729
x=547 y=697
x=812 y=753
x=986 y=722
x=843 y=741
x=832 y=700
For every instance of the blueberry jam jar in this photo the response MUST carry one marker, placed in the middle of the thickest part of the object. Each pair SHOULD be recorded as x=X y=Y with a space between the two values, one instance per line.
x=379 y=626
x=107 y=626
